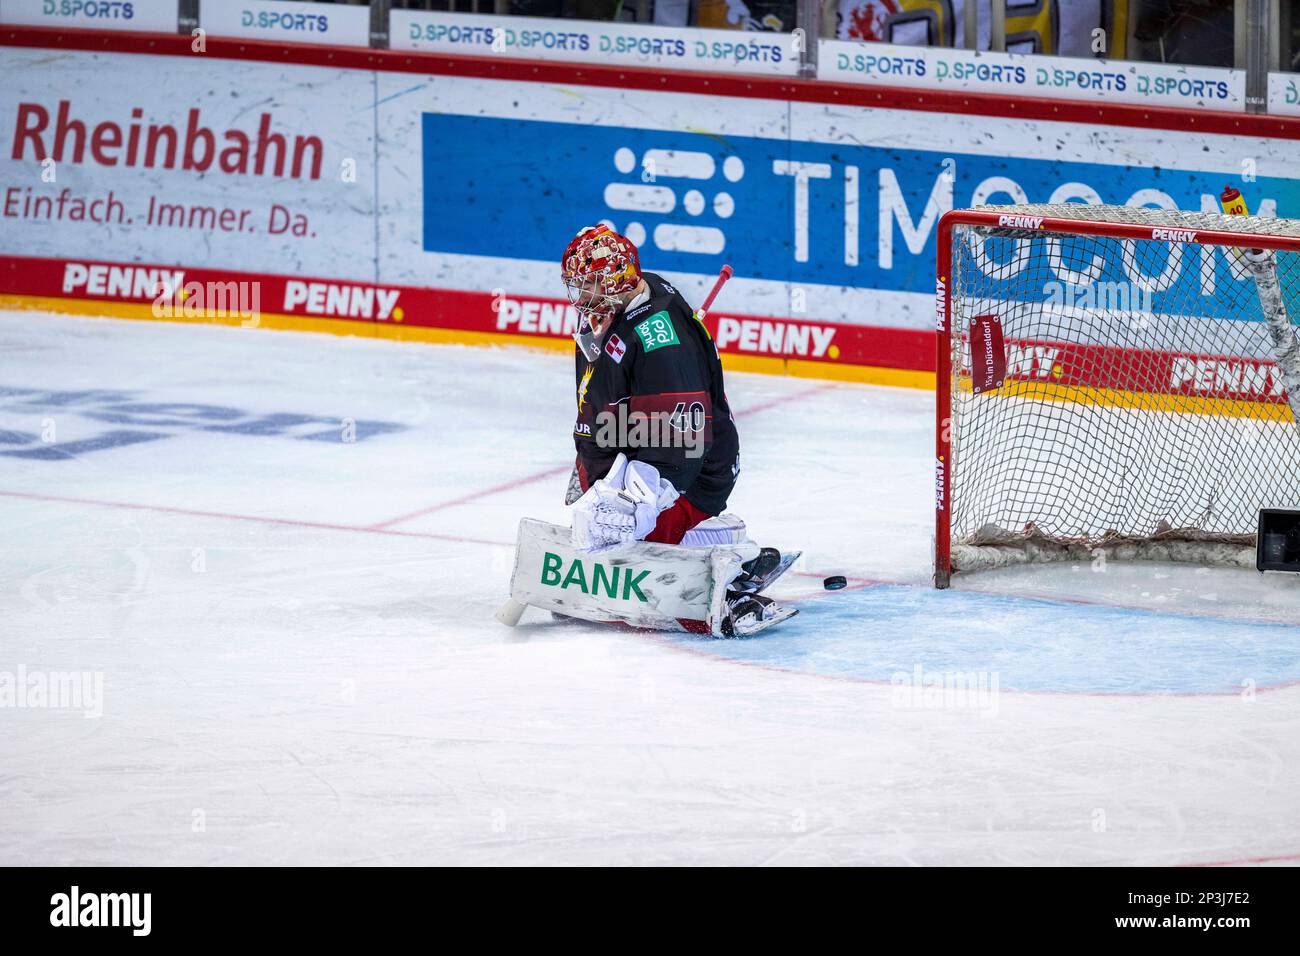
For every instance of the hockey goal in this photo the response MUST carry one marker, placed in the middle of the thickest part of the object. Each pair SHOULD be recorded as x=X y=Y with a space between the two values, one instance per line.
x=1113 y=379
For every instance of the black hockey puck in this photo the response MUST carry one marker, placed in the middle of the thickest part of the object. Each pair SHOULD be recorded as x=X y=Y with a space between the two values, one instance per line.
x=835 y=582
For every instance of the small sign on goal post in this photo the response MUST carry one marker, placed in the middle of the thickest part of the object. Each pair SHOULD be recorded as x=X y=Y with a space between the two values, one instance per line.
x=1277 y=544
x=988 y=355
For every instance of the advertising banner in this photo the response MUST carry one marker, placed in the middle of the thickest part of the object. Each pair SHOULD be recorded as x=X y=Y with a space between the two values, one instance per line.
x=251 y=300
x=1066 y=78
x=824 y=211
x=461 y=192
x=286 y=21
x=589 y=41
x=101 y=158
x=153 y=16
x=1284 y=94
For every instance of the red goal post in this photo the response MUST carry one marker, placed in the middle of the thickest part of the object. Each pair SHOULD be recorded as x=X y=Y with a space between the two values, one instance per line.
x=1112 y=377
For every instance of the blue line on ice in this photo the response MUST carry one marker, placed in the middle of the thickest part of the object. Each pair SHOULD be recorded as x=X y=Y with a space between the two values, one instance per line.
x=1030 y=644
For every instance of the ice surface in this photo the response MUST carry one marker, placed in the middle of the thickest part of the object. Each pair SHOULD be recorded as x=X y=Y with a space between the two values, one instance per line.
x=300 y=665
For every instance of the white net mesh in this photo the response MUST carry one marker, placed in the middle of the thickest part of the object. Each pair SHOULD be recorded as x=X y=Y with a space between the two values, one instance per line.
x=1141 y=407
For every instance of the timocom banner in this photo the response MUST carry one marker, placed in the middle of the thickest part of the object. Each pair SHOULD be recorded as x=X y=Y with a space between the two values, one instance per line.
x=458 y=185
x=825 y=212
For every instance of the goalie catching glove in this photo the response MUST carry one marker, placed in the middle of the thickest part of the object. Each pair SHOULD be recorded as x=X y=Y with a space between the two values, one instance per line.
x=622 y=507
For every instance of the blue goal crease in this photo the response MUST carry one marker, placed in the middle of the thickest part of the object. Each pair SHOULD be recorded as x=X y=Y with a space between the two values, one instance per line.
x=895 y=633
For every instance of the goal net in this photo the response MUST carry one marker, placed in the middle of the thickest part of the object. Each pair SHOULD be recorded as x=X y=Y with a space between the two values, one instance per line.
x=1113 y=378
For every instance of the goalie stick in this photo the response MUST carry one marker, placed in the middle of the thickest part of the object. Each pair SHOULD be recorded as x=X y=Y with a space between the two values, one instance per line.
x=723 y=275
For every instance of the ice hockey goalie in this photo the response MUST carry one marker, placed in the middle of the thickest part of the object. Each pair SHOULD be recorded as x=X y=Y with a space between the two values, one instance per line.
x=657 y=452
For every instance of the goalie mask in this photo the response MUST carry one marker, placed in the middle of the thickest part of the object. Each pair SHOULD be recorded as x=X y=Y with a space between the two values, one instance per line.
x=599 y=269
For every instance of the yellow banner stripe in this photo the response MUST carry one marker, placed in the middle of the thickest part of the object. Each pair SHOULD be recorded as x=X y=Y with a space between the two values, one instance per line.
x=1135 y=400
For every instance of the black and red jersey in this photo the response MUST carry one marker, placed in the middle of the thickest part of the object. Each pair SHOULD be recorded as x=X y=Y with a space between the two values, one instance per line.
x=658 y=361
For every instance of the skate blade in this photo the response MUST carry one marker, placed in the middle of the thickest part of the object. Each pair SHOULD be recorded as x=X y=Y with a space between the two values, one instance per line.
x=758 y=585
x=749 y=630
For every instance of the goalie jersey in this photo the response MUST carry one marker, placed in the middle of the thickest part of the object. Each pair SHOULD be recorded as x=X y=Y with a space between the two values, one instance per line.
x=656 y=395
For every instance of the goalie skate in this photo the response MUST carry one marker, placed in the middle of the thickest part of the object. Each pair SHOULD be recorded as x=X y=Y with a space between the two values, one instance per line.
x=749 y=614
x=758 y=575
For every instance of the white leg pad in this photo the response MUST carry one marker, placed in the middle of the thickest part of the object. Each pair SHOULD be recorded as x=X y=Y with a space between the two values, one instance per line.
x=660 y=586
x=723 y=529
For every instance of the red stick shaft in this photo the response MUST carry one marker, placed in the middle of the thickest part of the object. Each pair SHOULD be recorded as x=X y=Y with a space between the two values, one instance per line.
x=723 y=276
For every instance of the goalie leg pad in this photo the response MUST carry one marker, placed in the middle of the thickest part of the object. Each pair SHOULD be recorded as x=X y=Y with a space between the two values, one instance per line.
x=660 y=586
x=722 y=529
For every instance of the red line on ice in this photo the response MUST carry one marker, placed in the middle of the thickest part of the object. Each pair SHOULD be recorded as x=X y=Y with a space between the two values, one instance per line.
x=786 y=399
x=473 y=496
x=1248 y=861
x=289 y=522
x=664 y=641
x=551 y=472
